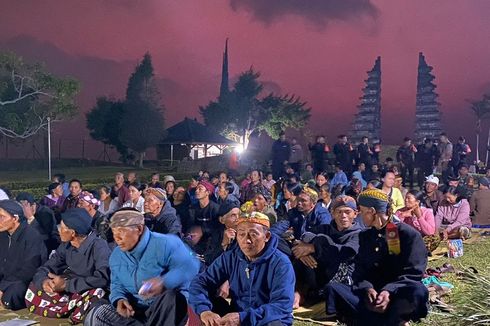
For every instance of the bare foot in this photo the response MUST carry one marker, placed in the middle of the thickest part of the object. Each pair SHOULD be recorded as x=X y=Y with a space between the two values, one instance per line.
x=297 y=298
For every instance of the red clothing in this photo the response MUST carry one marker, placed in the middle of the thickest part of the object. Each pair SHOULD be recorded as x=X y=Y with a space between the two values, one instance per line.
x=122 y=195
x=425 y=224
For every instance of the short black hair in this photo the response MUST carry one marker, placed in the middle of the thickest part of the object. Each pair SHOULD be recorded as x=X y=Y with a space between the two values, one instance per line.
x=60 y=176
x=76 y=180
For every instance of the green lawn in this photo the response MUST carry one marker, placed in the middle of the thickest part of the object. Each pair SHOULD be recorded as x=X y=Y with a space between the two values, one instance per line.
x=475 y=255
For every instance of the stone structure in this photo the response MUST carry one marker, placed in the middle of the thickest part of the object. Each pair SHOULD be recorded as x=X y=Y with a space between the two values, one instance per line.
x=427 y=114
x=367 y=121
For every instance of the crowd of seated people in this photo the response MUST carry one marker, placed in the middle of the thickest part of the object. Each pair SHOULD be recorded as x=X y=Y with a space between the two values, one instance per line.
x=237 y=251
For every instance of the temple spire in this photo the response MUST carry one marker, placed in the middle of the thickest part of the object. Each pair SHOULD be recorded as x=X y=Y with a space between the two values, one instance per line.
x=224 y=88
x=367 y=121
x=427 y=114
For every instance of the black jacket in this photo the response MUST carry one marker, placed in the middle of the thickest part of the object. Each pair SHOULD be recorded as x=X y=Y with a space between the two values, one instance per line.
x=376 y=268
x=100 y=225
x=167 y=222
x=363 y=155
x=405 y=155
x=334 y=247
x=21 y=254
x=281 y=151
x=45 y=223
x=343 y=155
x=427 y=158
x=207 y=217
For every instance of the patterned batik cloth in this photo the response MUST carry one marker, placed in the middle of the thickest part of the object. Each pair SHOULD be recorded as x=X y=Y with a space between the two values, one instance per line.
x=62 y=305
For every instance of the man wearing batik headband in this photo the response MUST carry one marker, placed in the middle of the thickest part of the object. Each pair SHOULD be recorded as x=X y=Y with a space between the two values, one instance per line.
x=327 y=254
x=160 y=216
x=150 y=275
x=388 y=271
x=255 y=269
x=100 y=223
x=305 y=216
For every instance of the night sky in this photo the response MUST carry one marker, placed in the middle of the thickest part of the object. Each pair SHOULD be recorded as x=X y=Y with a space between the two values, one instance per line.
x=317 y=49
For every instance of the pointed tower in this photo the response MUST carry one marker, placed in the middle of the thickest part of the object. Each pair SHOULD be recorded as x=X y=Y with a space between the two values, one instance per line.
x=224 y=89
x=427 y=114
x=367 y=121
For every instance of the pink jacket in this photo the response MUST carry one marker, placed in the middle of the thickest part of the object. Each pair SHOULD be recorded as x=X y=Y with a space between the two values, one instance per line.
x=425 y=224
x=454 y=216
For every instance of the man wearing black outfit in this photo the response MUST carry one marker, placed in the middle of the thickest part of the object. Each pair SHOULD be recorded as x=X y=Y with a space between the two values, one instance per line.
x=343 y=154
x=23 y=251
x=281 y=150
x=406 y=157
x=426 y=159
x=364 y=153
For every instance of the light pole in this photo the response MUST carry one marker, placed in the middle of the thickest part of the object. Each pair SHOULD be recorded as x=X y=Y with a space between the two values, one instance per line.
x=49 y=147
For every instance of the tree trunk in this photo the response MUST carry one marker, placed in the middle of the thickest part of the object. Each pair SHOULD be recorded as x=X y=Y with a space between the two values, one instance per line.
x=142 y=154
x=477 y=146
x=246 y=138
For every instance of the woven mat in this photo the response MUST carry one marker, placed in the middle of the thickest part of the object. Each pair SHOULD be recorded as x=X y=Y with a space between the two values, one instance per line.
x=6 y=314
x=314 y=314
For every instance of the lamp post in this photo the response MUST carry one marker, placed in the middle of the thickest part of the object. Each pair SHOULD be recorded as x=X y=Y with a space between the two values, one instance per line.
x=49 y=148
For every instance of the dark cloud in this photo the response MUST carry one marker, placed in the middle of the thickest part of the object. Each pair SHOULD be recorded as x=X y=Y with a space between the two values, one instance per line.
x=320 y=12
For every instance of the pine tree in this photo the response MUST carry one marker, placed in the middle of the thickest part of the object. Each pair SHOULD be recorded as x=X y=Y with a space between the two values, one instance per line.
x=142 y=123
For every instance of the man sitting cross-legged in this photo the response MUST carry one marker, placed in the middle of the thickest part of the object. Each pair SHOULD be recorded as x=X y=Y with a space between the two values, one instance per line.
x=150 y=273
x=77 y=274
x=22 y=252
x=261 y=280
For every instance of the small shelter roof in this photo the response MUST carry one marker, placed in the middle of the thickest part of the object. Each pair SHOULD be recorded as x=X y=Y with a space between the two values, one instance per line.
x=191 y=132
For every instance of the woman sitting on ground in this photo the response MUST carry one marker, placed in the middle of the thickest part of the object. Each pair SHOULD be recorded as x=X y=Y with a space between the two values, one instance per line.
x=453 y=215
x=107 y=204
x=136 y=198
x=324 y=196
x=54 y=199
x=420 y=218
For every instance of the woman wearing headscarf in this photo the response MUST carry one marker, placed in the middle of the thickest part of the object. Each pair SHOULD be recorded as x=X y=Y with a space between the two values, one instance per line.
x=389 y=267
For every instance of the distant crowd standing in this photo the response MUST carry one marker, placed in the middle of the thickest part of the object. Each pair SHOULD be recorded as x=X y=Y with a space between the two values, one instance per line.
x=245 y=250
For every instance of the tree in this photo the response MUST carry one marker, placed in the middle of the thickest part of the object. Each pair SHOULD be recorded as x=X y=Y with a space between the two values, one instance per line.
x=243 y=112
x=104 y=123
x=29 y=95
x=481 y=110
x=142 y=122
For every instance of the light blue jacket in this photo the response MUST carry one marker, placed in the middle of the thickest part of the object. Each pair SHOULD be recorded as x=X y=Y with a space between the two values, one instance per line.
x=156 y=254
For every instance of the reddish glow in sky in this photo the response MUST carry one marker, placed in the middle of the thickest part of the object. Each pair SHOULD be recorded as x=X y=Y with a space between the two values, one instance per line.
x=320 y=52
